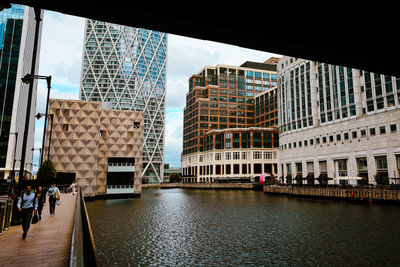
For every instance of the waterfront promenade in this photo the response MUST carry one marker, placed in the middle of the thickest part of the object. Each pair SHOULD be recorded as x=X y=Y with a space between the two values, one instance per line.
x=47 y=243
x=379 y=195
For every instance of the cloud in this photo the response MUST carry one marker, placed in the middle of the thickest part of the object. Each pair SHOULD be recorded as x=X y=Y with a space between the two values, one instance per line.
x=61 y=57
x=61 y=47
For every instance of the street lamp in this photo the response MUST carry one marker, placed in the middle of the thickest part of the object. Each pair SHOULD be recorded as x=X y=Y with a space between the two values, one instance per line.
x=39 y=116
x=28 y=78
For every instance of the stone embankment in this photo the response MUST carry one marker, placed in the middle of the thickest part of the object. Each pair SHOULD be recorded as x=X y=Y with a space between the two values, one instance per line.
x=375 y=195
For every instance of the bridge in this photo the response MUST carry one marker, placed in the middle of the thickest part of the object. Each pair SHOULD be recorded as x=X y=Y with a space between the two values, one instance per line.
x=359 y=35
x=64 y=239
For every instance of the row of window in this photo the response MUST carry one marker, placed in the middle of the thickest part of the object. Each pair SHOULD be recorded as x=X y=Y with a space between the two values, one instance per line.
x=354 y=134
x=340 y=167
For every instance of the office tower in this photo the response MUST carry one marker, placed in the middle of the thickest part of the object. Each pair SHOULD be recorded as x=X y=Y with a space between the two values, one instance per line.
x=127 y=67
x=337 y=123
x=230 y=123
x=17 y=29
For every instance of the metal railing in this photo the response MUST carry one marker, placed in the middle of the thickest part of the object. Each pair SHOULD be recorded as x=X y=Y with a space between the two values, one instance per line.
x=119 y=186
x=6 y=205
x=83 y=248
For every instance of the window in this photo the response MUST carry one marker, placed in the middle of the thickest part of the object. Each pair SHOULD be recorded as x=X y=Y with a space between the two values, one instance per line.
x=322 y=167
x=311 y=142
x=363 y=133
x=267 y=155
x=372 y=131
x=331 y=138
x=65 y=127
x=354 y=134
x=338 y=137
x=341 y=165
x=236 y=155
x=362 y=165
x=382 y=130
x=393 y=128
x=217 y=156
x=381 y=163
x=257 y=155
x=228 y=140
x=136 y=125
x=346 y=136
x=227 y=155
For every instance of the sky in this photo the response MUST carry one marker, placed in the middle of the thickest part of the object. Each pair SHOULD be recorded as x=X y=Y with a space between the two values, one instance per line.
x=61 y=57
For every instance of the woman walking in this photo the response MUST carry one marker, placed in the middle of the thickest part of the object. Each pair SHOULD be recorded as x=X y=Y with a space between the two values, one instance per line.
x=41 y=197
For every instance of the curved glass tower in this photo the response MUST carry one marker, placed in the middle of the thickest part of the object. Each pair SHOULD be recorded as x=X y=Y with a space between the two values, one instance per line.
x=126 y=67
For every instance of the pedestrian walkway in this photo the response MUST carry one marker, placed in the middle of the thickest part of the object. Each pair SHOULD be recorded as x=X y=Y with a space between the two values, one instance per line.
x=47 y=243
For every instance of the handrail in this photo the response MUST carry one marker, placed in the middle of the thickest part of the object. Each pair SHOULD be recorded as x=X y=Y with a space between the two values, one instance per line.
x=83 y=248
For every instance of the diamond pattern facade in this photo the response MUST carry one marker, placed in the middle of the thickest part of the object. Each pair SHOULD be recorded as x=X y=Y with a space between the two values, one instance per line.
x=85 y=136
x=126 y=67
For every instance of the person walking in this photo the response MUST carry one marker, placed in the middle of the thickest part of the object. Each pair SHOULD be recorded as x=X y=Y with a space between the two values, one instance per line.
x=73 y=186
x=41 y=196
x=54 y=195
x=27 y=204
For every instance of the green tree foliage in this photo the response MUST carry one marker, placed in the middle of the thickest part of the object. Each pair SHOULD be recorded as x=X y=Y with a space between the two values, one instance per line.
x=175 y=178
x=47 y=173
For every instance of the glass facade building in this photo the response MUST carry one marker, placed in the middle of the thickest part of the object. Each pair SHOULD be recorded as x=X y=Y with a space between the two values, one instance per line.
x=11 y=21
x=126 y=67
x=17 y=27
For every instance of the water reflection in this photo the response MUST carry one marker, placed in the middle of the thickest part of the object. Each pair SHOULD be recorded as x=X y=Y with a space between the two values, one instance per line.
x=219 y=228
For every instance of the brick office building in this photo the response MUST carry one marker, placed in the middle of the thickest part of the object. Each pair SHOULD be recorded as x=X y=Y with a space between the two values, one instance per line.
x=230 y=123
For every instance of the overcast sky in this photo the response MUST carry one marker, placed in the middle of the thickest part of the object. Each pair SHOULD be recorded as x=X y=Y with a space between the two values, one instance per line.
x=61 y=57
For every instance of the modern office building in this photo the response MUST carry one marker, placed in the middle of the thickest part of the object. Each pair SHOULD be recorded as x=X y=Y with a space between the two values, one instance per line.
x=337 y=123
x=127 y=67
x=230 y=123
x=17 y=29
x=97 y=146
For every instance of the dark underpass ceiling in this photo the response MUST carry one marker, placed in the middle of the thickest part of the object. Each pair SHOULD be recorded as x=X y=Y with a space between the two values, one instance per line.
x=363 y=36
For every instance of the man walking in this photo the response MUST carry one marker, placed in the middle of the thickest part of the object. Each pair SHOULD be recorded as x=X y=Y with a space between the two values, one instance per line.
x=54 y=195
x=27 y=203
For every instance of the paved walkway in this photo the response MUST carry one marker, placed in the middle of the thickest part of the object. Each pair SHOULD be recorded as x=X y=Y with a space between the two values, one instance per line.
x=48 y=241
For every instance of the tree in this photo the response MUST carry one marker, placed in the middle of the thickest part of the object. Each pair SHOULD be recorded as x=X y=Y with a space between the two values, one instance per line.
x=47 y=173
x=175 y=178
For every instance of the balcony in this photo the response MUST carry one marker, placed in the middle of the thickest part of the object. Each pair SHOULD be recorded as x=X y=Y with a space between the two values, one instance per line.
x=119 y=189
x=121 y=167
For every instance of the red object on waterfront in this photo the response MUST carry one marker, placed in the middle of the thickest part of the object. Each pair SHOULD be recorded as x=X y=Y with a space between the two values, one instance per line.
x=266 y=175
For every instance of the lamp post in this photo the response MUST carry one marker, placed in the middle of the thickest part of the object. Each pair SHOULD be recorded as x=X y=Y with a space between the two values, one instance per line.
x=28 y=79
x=39 y=116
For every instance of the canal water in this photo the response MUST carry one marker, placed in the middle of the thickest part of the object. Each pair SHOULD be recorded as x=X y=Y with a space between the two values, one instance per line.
x=188 y=227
